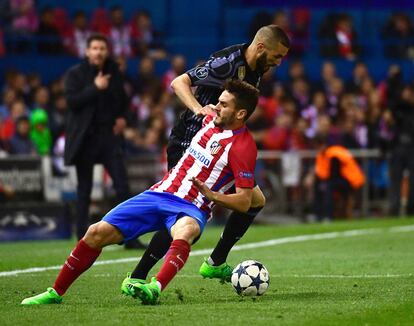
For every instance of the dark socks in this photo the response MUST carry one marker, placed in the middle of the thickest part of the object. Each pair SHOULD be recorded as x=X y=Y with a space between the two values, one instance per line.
x=236 y=226
x=157 y=248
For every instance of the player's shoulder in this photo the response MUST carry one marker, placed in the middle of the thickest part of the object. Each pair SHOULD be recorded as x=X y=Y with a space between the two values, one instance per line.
x=243 y=140
x=243 y=147
x=228 y=51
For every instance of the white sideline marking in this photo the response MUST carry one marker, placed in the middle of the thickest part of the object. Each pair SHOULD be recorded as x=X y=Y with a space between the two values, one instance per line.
x=253 y=245
x=346 y=276
x=111 y=275
x=303 y=276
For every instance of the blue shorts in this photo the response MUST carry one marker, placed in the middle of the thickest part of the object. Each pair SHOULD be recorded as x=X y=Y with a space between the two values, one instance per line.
x=152 y=211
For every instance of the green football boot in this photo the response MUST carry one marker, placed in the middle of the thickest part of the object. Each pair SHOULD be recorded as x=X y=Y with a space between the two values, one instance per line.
x=148 y=293
x=127 y=286
x=222 y=272
x=48 y=297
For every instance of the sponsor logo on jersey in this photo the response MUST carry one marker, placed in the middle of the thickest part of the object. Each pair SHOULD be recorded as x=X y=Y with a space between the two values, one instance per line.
x=199 y=156
x=215 y=147
x=201 y=72
x=247 y=175
x=241 y=72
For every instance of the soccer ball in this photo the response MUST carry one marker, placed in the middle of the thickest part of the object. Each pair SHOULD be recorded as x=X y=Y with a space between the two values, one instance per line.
x=250 y=278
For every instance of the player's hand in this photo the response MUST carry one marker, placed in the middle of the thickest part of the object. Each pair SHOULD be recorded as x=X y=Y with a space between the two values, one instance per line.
x=102 y=81
x=119 y=126
x=205 y=191
x=206 y=110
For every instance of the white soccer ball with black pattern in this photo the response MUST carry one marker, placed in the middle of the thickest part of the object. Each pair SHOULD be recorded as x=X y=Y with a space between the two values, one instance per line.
x=250 y=278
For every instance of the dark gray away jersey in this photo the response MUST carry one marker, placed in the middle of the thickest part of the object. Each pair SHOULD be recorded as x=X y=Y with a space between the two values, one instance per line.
x=209 y=78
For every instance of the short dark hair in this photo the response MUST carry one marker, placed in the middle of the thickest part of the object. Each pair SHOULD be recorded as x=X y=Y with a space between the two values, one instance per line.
x=96 y=37
x=246 y=96
x=271 y=35
x=280 y=35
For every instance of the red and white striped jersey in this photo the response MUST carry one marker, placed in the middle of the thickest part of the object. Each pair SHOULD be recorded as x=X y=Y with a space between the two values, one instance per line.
x=219 y=158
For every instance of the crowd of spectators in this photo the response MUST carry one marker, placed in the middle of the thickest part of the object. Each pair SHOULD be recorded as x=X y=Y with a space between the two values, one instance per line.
x=32 y=115
x=56 y=32
x=338 y=36
x=357 y=113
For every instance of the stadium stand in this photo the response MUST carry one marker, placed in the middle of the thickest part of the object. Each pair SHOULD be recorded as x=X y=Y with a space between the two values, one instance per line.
x=363 y=116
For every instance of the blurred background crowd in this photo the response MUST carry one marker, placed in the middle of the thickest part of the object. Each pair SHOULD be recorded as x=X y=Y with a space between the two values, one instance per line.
x=348 y=76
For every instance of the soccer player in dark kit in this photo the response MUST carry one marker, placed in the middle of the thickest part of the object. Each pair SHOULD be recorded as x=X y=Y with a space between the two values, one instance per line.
x=221 y=155
x=247 y=62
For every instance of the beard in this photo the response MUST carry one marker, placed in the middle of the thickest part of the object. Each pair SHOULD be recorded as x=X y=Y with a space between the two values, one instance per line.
x=261 y=64
x=224 y=122
x=218 y=123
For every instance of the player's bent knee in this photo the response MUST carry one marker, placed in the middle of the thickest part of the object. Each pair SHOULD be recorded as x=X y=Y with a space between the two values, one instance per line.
x=92 y=236
x=186 y=229
x=101 y=234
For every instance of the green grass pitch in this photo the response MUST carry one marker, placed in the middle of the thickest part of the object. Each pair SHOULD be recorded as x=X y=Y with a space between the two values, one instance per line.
x=320 y=274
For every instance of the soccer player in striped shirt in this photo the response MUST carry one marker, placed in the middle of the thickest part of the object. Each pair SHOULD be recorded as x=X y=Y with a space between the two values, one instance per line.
x=247 y=62
x=221 y=155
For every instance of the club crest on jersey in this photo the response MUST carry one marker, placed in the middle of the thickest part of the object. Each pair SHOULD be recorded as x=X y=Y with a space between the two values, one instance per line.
x=241 y=72
x=201 y=72
x=215 y=147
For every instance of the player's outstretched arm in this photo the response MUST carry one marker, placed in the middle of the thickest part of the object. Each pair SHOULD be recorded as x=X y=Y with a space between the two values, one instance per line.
x=239 y=201
x=182 y=88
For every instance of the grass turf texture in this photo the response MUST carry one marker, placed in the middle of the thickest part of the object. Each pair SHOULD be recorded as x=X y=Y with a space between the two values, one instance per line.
x=365 y=279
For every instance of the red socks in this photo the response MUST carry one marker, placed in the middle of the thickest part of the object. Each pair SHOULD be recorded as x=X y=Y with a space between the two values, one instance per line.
x=83 y=257
x=79 y=260
x=174 y=260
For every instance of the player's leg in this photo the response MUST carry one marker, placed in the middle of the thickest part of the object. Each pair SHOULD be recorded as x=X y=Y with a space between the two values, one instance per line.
x=183 y=232
x=160 y=242
x=80 y=259
x=237 y=224
x=157 y=248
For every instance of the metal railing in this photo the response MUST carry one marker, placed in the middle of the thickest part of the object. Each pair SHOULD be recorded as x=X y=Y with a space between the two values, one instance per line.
x=273 y=164
x=277 y=171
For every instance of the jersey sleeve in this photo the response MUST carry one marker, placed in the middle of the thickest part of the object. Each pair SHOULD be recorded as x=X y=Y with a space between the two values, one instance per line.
x=213 y=73
x=242 y=162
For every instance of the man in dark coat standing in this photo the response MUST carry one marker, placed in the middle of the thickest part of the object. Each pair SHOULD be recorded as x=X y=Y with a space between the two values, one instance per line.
x=95 y=121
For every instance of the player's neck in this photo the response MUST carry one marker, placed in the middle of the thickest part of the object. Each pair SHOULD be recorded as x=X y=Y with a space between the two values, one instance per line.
x=234 y=126
x=250 y=56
